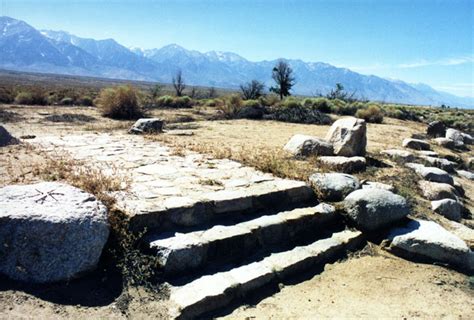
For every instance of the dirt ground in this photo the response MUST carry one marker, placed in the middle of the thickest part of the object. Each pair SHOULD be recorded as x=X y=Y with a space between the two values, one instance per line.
x=371 y=286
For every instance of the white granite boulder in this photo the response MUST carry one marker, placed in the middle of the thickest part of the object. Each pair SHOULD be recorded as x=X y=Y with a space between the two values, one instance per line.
x=466 y=174
x=301 y=145
x=333 y=186
x=147 y=125
x=456 y=136
x=348 y=137
x=433 y=174
x=415 y=144
x=448 y=208
x=50 y=232
x=445 y=142
x=440 y=163
x=437 y=191
x=427 y=240
x=371 y=209
x=397 y=154
x=377 y=185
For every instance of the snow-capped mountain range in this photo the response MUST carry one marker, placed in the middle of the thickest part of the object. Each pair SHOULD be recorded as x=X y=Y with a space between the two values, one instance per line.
x=24 y=48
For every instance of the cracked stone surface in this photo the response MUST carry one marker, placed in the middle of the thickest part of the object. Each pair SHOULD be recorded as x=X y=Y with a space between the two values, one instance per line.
x=161 y=180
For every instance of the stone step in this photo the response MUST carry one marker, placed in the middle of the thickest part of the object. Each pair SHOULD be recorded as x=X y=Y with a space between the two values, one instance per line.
x=183 y=252
x=183 y=212
x=215 y=291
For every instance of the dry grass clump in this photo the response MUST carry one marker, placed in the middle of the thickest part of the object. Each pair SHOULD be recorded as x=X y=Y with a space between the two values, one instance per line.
x=10 y=116
x=70 y=118
x=120 y=103
x=371 y=114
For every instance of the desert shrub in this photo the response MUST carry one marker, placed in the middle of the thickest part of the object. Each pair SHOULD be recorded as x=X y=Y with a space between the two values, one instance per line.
x=269 y=100
x=10 y=116
x=30 y=98
x=231 y=106
x=67 y=101
x=252 y=104
x=85 y=101
x=119 y=103
x=371 y=114
x=164 y=101
x=320 y=104
x=182 y=102
x=293 y=111
x=6 y=95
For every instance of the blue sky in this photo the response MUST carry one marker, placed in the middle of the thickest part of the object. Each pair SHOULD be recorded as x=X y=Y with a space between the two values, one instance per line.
x=427 y=41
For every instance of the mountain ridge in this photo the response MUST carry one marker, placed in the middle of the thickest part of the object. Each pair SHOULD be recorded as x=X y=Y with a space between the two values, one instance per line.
x=24 y=48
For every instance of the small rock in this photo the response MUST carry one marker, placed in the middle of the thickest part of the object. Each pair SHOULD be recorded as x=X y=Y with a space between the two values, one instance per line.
x=28 y=136
x=6 y=138
x=399 y=154
x=416 y=144
x=302 y=146
x=348 y=137
x=147 y=125
x=50 y=232
x=372 y=209
x=333 y=186
x=466 y=174
x=436 y=129
x=377 y=185
x=437 y=191
x=445 y=142
x=427 y=240
x=344 y=164
x=470 y=163
x=449 y=208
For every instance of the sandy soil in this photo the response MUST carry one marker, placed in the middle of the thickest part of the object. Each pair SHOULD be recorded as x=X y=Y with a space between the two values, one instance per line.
x=370 y=287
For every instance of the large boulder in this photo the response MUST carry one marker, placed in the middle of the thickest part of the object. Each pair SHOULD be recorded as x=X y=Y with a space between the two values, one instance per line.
x=436 y=129
x=434 y=174
x=437 y=191
x=372 y=209
x=301 y=145
x=50 y=232
x=348 y=137
x=449 y=208
x=428 y=241
x=416 y=144
x=6 y=138
x=343 y=164
x=455 y=135
x=147 y=125
x=333 y=186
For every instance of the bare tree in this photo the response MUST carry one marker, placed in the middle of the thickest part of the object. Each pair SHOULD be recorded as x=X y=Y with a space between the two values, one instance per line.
x=178 y=83
x=212 y=93
x=252 y=89
x=282 y=74
x=341 y=93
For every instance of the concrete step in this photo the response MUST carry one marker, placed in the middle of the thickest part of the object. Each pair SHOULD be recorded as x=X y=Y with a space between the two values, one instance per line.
x=184 y=252
x=209 y=293
x=179 y=212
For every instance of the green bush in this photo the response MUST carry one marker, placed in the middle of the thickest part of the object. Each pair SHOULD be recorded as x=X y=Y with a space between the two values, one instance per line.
x=320 y=104
x=371 y=114
x=120 y=103
x=174 y=102
x=252 y=104
x=30 y=98
x=86 y=101
x=231 y=106
x=293 y=111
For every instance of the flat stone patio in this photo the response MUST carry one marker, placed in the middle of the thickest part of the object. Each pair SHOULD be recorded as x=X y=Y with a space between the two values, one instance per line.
x=161 y=182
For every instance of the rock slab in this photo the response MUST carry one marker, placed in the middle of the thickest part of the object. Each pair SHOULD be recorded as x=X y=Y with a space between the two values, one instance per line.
x=344 y=164
x=416 y=144
x=449 y=208
x=372 y=209
x=428 y=240
x=348 y=137
x=50 y=232
x=301 y=145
